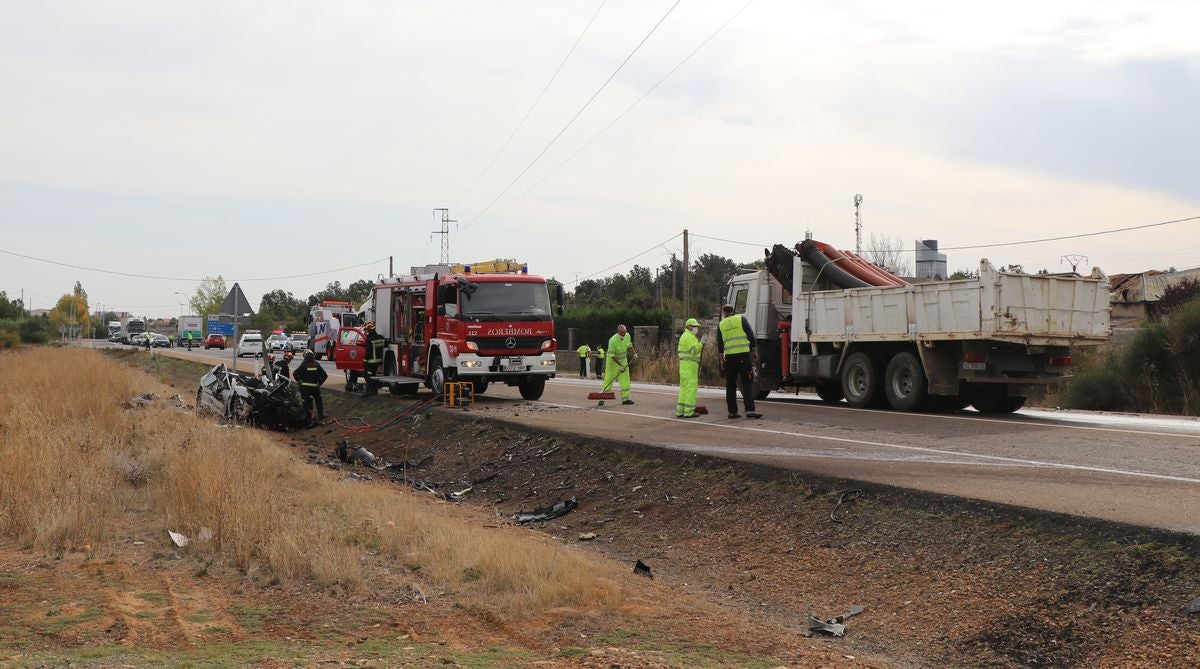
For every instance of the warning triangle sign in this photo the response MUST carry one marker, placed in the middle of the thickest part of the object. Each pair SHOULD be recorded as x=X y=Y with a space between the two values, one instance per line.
x=235 y=303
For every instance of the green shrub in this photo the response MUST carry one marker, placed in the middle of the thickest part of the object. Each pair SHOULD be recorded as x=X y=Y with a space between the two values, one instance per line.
x=9 y=339
x=34 y=331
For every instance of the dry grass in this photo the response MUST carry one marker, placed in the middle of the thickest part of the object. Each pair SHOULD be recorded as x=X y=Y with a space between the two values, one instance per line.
x=76 y=465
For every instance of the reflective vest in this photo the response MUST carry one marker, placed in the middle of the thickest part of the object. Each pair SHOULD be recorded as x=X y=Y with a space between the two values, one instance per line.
x=733 y=335
x=689 y=347
x=583 y=351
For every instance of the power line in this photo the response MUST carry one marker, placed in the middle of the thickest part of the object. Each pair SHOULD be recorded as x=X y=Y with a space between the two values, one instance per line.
x=619 y=116
x=634 y=257
x=524 y=118
x=1095 y=233
x=178 y=278
x=573 y=118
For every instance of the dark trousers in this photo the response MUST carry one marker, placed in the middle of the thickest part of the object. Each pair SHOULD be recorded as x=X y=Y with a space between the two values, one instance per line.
x=583 y=368
x=370 y=369
x=599 y=368
x=312 y=396
x=739 y=369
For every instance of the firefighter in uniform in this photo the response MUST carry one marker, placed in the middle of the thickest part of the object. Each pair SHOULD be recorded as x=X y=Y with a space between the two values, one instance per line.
x=189 y=340
x=374 y=352
x=739 y=355
x=689 y=369
x=620 y=350
x=583 y=352
x=310 y=375
x=283 y=367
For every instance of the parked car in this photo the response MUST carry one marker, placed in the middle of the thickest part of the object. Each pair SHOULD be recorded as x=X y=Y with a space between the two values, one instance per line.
x=160 y=340
x=250 y=344
x=279 y=342
x=299 y=342
x=215 y=341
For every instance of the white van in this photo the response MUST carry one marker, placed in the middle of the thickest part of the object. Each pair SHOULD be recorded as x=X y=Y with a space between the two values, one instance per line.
x=250 y=344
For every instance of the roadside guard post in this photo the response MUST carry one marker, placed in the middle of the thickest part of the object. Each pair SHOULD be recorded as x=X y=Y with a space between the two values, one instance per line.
x=459 y=394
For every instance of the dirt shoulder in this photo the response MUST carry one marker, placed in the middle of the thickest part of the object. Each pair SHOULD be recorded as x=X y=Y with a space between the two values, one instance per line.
x=741 y=554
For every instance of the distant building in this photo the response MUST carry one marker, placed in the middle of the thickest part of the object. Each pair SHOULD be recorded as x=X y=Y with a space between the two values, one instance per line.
x=931 y=265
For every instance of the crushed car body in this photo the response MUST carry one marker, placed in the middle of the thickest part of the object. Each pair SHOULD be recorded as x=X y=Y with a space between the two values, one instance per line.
x=268 y=401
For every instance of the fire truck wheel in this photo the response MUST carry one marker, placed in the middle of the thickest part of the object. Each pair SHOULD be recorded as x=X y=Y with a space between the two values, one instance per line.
x=437 y=376
x=480 y=386
x=532 y=389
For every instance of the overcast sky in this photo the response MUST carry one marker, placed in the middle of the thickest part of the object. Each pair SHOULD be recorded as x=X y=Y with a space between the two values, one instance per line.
x=271 y=139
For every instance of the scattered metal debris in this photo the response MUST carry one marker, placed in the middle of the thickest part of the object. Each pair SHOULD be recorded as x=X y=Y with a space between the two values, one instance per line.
x=352 y=454
x=741 y=487
x=178 y=539
x=1193 y=606
x=145 y=399
x=587 y=536
x=835 y=626
x=460 y=495
x=642 y=569
x=559 y=508
x=845 y=496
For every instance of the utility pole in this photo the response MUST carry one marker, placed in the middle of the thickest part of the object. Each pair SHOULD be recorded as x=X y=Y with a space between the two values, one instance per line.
x=858 y=223
x=391 y=272
x=445 y=233
x=1073 y=260
x=687 y=293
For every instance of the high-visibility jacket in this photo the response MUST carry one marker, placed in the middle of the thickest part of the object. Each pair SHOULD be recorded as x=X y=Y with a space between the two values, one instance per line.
x=618 y=348
x=583 y=351
x=734 y=339
x=689 y=347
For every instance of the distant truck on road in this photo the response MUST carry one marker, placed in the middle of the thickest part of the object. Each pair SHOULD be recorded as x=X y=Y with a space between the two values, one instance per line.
x=823 y=318
x=192 y=325
x=135 y=330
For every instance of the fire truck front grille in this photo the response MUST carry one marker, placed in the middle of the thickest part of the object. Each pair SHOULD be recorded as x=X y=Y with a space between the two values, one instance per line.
x=500 y=344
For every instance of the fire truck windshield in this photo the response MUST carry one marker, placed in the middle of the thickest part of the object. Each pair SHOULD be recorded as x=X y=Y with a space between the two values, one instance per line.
x=507 y=299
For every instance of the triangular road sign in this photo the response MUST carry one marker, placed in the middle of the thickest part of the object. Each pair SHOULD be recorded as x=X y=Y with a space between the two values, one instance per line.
x=235 y=303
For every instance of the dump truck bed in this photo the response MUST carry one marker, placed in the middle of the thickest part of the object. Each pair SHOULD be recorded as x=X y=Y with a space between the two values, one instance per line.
x=1035 y=310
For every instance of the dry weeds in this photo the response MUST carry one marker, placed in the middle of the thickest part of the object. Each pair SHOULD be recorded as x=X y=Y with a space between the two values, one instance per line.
x=77 y=464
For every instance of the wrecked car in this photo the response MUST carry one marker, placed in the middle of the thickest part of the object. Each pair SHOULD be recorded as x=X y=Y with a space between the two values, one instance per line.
x=269 y=401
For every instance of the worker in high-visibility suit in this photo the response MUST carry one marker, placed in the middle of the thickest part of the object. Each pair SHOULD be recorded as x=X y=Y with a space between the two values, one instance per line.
x=583 y=351
x=689 y=369
x=620 y=353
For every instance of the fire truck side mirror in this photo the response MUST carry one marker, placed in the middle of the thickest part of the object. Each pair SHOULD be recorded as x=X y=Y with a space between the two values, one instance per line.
x=558 y=311
x=558 y=296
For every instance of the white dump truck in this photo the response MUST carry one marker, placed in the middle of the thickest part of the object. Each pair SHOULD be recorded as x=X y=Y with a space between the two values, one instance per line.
x=985 y=341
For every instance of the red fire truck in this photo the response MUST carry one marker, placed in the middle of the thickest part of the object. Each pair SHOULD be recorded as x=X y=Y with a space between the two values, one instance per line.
x=491 y=322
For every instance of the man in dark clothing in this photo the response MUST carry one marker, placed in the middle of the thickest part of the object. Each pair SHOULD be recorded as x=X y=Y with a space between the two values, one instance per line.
x=739 y=356
x=310 y=375
x=375 y=346
x=283 y=367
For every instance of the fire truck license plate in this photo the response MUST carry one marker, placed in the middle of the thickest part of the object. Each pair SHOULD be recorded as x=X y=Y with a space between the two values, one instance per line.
x=514 y=365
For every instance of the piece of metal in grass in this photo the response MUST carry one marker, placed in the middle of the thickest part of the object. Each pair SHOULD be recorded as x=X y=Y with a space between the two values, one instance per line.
x=845 y=496
x=642 y=569
x=178 y=539
x=559 y=508
x=835 y=626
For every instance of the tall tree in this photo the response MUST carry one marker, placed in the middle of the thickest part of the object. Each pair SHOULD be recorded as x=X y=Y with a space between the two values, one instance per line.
x=208 y=296
x=359 y=291
x=70 y=316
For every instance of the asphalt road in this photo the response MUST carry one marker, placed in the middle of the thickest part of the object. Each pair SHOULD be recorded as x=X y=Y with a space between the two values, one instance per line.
x=1137 y=469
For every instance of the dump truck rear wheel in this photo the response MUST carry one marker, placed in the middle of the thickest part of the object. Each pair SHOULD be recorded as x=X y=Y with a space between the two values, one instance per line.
x=905 y=382
x=860 y=380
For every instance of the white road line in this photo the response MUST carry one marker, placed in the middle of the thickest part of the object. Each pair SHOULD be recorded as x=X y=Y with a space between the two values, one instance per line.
x=720 y=395
x=920 y=449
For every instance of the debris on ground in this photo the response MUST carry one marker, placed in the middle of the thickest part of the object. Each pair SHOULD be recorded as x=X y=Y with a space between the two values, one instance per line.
x=559 y=508
x=587 y=536
x=145 y=399
x=458 y=496
x=353 y=454
x=642 y=569
x=178 y=539
x=835 y=626
x=1193 y=606
x=845 y=496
